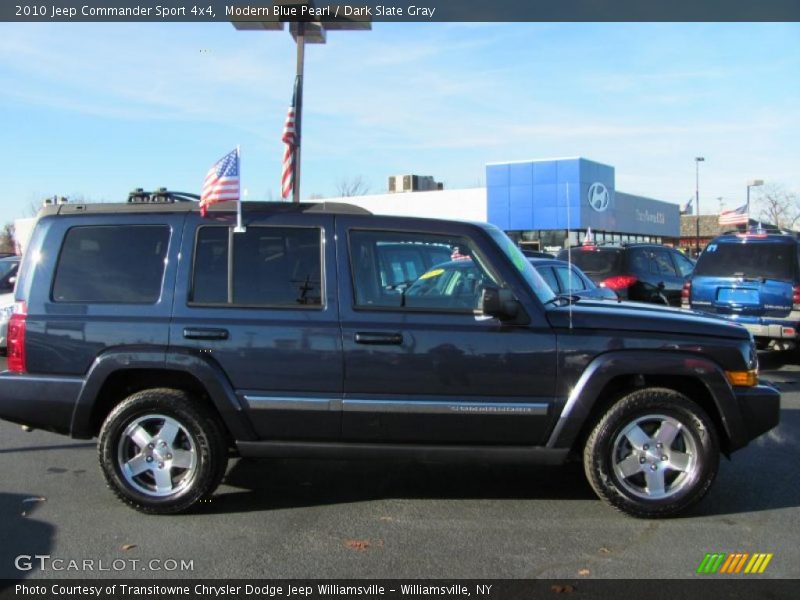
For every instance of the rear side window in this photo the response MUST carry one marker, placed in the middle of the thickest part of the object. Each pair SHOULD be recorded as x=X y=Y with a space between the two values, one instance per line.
x=112 y=264
x=770 y=261
x=271 y=266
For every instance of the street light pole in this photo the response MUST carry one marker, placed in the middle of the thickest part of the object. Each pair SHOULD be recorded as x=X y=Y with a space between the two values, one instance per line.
x=300 y=39
x=697 y=161
x=754 y=183
x=304 y=31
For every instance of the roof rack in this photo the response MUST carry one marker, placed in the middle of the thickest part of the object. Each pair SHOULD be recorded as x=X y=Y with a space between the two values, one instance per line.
x=160 y=196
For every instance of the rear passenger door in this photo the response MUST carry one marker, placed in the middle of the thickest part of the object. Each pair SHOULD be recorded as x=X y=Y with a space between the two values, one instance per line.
x=421 y=365
x=262 y=306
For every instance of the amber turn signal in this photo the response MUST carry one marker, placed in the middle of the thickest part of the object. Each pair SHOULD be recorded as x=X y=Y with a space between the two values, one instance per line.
x=743 y=378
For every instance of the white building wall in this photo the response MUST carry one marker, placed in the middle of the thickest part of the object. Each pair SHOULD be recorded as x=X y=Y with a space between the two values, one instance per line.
x=464 y=205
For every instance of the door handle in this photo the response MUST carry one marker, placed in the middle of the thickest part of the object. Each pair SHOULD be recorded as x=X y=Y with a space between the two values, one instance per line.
x=379 y=338
x=200 y=333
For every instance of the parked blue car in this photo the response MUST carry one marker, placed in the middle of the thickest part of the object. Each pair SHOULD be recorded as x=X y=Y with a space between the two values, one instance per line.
x=754 y=280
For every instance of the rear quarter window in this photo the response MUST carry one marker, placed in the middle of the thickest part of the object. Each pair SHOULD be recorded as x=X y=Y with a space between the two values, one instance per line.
x=112 y=264
x=600 y=264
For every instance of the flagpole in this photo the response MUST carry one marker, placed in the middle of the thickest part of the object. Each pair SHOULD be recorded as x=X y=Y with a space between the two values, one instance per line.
x=298 y=117
x=239 y=227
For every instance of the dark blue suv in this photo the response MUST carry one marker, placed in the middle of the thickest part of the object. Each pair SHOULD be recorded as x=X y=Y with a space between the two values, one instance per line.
x=320 y=330
x=754 y=280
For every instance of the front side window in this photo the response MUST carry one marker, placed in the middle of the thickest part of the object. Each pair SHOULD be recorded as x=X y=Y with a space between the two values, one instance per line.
x=265 y=266
x=417 y=271
x=112 y=264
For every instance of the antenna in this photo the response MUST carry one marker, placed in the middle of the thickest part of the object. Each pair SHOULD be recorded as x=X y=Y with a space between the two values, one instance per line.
x=569 y=255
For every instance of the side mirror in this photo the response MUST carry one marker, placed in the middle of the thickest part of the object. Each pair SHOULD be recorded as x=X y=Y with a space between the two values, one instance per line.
x=498 y=303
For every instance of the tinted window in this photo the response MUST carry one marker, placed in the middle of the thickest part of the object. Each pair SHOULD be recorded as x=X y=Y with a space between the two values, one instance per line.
x=570 y=281
x=415 y=270
x=112 y=264
x=272 y=266
x=596 y=263
x=772 y=261
x=210 y=277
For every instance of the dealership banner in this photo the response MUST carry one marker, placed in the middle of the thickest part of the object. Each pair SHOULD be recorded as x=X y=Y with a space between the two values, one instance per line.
x=389 y=589
x=328 y=12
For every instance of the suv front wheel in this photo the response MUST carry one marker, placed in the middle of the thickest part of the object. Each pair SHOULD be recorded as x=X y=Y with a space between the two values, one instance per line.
x=653 y=454
x=160 y=452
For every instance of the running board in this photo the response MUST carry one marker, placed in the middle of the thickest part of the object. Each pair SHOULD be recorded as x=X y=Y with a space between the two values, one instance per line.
x=525 y=454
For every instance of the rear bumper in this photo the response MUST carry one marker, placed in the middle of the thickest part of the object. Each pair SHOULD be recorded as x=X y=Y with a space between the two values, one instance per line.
x=773 y=330
x=760 y=408
x=41 y=402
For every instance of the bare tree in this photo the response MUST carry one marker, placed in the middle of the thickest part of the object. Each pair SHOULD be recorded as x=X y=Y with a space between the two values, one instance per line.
x=778 y=206
x=355 y=186
x=7 y=238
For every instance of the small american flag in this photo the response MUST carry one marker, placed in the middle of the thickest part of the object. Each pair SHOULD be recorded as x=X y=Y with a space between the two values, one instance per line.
x=290 y=139
x=222 y=181
x=737 y=216
x=457 y=255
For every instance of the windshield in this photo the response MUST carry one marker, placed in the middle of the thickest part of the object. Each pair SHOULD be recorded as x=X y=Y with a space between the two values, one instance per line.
x=750 y=261
x=533 y=279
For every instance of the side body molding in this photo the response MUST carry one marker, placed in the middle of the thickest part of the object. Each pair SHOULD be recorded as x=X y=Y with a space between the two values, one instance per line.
x=209 y=374
x=607 y=366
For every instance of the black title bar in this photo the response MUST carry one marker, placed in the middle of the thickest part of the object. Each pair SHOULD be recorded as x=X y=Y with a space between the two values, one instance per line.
x=401 y=10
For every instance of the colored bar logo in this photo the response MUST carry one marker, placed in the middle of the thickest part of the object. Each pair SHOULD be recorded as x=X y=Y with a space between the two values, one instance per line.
x=734 y=563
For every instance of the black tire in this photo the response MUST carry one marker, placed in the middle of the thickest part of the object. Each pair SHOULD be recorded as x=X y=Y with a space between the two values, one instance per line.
x=624 y=468
x=188 y=466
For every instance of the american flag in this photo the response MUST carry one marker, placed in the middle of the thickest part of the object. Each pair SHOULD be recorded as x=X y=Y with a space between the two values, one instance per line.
x=290 y=139
x=736 y=216
x=222 y=181
x=457 y=255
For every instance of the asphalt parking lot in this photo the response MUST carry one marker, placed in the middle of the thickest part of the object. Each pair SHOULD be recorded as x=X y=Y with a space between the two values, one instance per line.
x=303 y=519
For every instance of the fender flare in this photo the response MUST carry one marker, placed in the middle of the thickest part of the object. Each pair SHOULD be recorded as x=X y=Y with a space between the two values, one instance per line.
x=206 y=371
x=606 y=367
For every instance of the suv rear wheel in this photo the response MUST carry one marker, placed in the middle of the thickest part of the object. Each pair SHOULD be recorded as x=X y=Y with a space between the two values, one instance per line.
x=160 y=452
x=653 y=454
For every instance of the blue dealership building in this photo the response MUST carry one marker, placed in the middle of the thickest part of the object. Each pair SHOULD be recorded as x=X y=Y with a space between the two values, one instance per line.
x=545 y=204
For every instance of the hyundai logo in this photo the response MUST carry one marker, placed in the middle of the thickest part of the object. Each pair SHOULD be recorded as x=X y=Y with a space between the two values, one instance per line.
x=598 y=196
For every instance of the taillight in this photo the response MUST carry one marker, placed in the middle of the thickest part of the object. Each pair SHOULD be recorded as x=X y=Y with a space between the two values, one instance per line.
x=620 y=282
x=686 y=292
x=796 y=297
x=15 y=338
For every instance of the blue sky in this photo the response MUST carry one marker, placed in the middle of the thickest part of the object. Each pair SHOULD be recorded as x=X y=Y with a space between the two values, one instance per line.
x=98 y=109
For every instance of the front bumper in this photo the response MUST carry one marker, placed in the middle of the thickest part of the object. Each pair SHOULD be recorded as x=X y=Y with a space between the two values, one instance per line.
x=39 y=401
x=760 y=407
